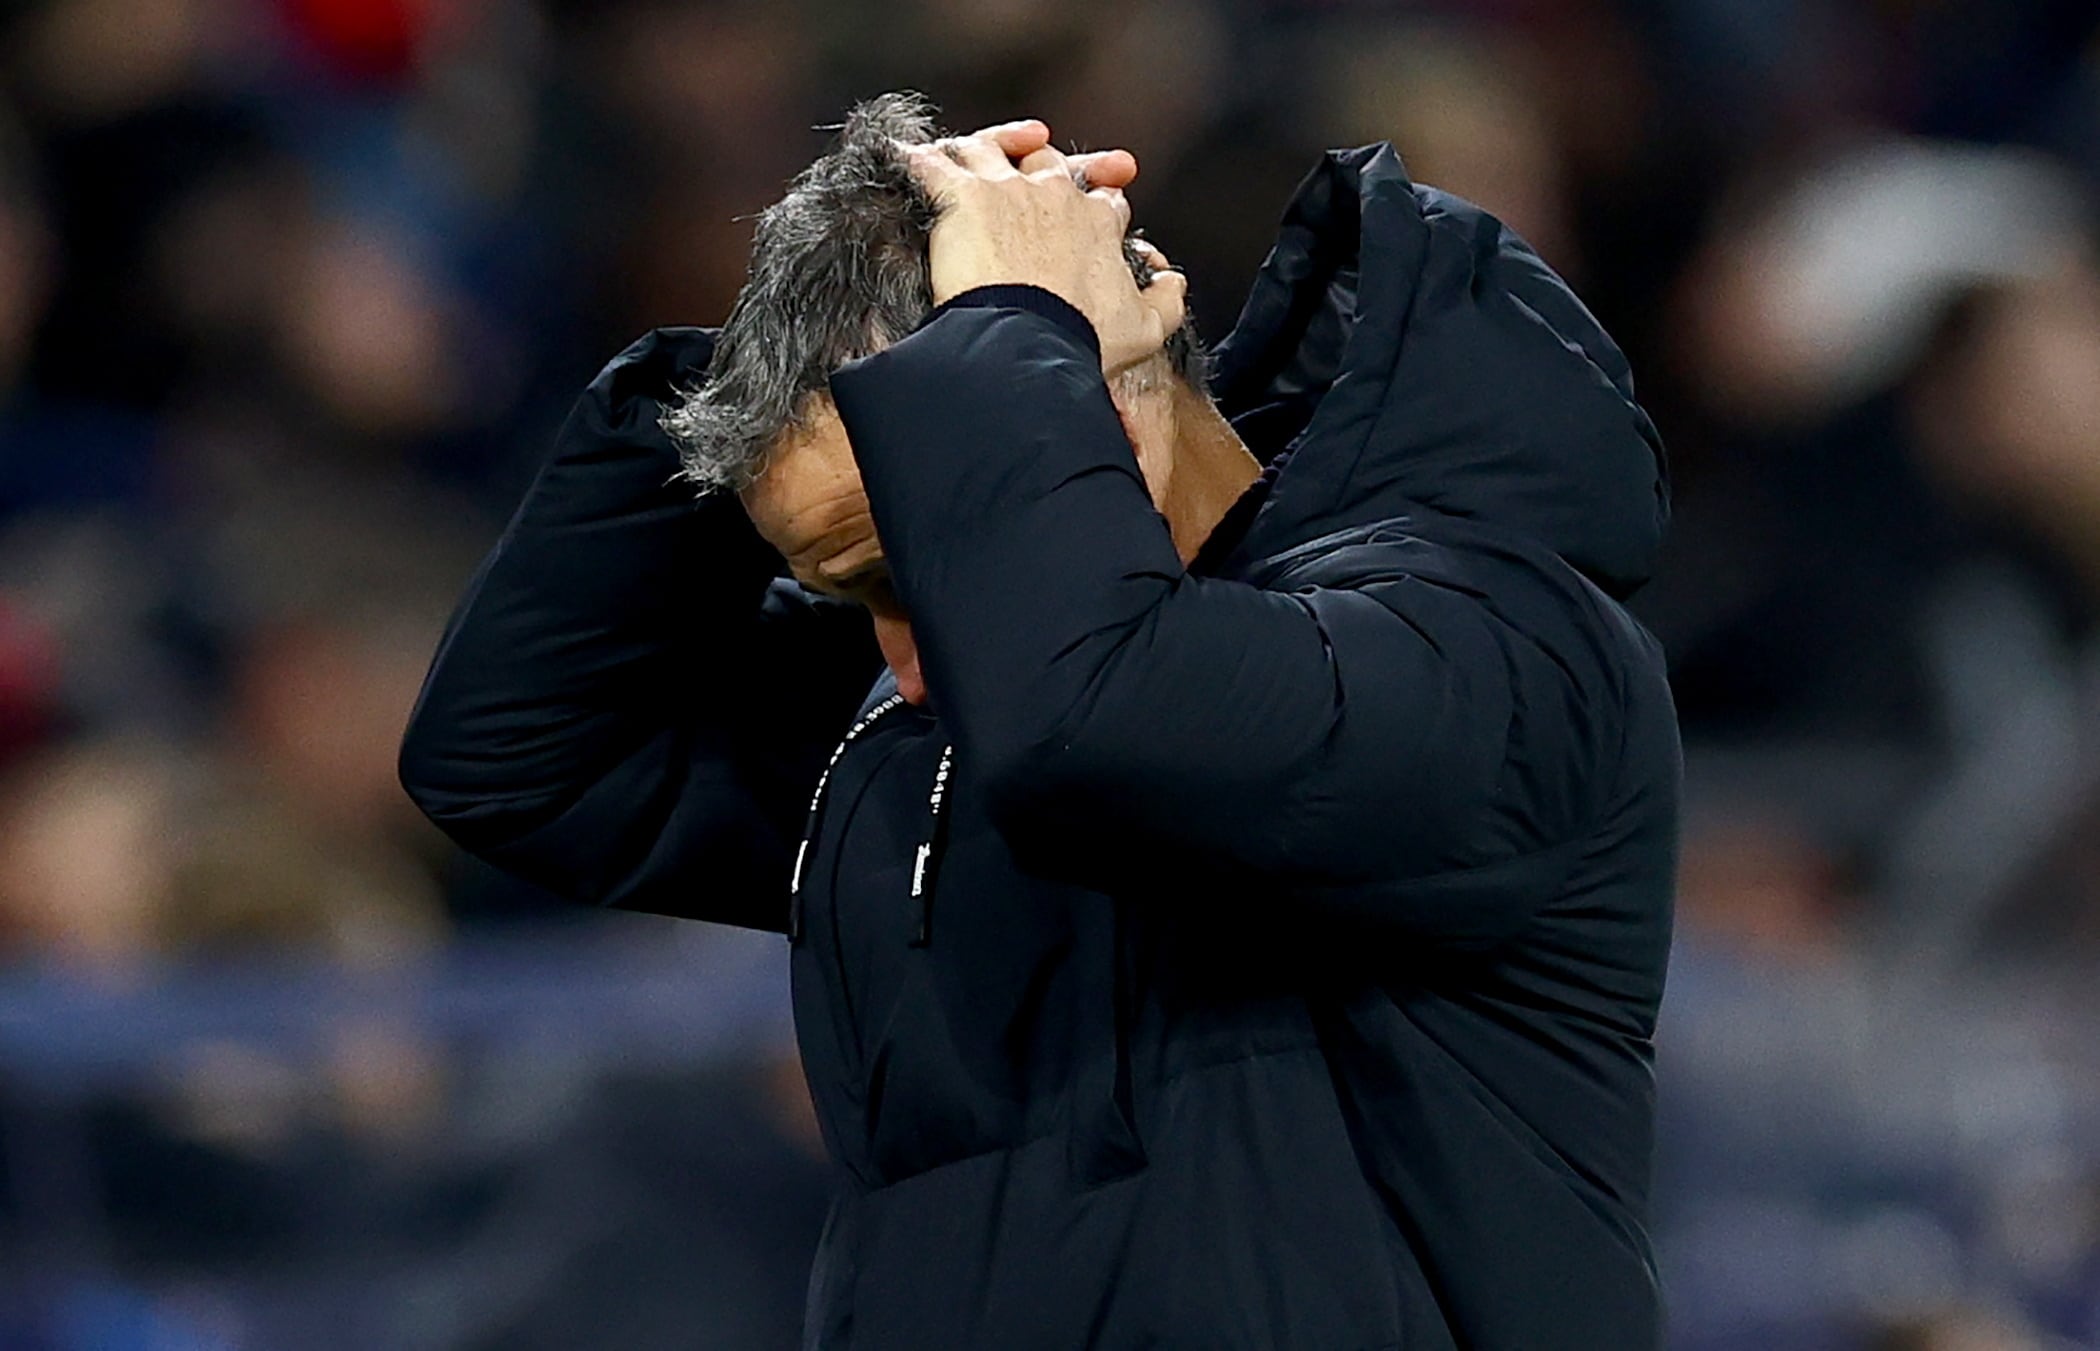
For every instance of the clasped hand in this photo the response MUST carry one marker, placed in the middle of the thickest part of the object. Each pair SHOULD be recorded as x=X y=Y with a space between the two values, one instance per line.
x=1014 y=210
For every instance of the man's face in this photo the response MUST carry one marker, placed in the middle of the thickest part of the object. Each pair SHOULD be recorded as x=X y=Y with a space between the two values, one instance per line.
x=809 y=504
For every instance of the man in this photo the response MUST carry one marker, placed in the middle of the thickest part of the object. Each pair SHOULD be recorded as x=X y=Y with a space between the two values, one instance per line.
x=1237 y=917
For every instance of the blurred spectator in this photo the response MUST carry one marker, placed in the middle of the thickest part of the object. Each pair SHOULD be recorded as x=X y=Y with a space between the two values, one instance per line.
x=1954 y=1332
x=87 y=858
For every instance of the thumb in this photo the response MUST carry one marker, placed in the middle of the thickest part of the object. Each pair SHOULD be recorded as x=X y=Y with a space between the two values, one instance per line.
x=1167 y=296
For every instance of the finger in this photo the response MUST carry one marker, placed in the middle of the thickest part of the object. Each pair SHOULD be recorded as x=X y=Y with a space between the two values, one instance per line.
x=1168 y=297
x=1150 y=251
x=1019 y=138
x=980 y=154
x=1105 y=168
x=1118 y=203
x=1046 y=160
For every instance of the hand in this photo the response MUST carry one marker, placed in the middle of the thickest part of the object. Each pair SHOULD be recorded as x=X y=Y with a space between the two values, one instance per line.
x=1032 y=222
x=1098 y=168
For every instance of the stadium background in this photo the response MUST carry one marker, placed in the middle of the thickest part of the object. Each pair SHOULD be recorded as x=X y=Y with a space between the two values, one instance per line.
x=292 y=293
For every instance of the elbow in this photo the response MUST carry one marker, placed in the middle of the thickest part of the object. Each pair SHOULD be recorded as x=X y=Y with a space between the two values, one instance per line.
x=473 y=809
x=1031 y=783
x=427 y=767
x=1054 y=757
x=1012 y=778
x=417 y=767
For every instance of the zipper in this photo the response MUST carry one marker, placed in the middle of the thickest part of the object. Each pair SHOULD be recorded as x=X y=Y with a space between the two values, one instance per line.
x=1104 y=1144
x=816 y=807
x=925 y=859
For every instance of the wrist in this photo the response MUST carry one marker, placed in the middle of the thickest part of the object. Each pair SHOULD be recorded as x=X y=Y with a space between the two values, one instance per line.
x=1035 y=300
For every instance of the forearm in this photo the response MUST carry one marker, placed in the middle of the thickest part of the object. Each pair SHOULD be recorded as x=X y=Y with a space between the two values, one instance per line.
x=1084 y=671
x=1119 y=713
x=584 y=617
x=606 y=714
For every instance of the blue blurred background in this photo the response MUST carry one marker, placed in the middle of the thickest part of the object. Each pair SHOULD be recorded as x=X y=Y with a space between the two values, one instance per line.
x=292 y=293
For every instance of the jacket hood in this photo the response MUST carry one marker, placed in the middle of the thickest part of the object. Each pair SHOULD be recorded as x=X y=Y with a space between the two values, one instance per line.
x=1412 y=353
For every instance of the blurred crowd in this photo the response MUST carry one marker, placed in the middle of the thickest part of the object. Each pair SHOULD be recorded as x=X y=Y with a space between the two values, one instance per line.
x=293 y=293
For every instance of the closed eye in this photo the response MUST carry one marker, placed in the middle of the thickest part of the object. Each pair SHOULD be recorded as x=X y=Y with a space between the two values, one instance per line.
x=868 y=585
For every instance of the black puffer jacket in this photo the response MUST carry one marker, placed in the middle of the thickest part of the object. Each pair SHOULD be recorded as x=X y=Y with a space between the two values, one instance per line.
x=1258 y=954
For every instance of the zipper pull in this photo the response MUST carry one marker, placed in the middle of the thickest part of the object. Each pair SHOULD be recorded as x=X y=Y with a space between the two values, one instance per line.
x=924 y=861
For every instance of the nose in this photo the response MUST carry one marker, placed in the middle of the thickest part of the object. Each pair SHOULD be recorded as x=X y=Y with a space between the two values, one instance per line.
x=893 y=636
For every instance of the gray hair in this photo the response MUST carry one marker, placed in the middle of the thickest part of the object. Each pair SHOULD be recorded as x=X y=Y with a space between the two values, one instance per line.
x=838 y=271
